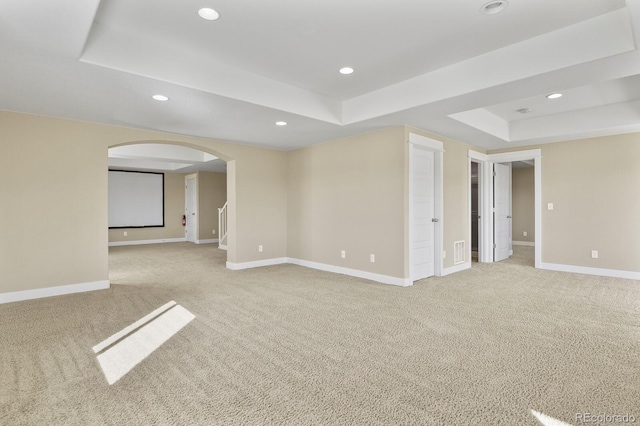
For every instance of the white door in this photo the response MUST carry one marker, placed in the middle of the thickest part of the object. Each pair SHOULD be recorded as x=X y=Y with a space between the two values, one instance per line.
x=502 y=212
x=190 y=210
x=422 y=212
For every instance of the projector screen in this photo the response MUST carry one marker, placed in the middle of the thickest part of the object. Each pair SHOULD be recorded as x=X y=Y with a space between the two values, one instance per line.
x=136 y=199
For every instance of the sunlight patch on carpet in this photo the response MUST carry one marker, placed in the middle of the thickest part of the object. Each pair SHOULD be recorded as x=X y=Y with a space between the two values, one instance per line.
x=547 y=420
x=134 y=343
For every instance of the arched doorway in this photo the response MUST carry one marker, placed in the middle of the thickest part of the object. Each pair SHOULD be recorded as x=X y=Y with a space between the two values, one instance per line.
x=183 y=173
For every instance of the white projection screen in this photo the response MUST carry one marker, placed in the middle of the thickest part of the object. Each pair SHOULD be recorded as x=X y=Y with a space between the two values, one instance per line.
x=136 y=199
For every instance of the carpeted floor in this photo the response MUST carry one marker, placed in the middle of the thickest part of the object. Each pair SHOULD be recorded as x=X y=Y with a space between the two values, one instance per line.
x=290 y=345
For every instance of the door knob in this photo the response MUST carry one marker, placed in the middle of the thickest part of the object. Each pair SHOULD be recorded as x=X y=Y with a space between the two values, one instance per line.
x=435 y=220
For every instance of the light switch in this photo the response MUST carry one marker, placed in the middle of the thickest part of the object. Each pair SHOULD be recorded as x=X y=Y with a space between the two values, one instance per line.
x=550 y=206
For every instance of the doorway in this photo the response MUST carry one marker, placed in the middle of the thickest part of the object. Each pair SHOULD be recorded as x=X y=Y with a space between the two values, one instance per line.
x=487 y=203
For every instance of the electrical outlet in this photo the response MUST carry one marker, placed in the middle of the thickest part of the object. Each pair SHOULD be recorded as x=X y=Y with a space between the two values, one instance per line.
x=260 y=248
x=372 y=258
x=524 y=233
x=343 y=254
x=214 y=232
x=125 y=233
x=594 y=254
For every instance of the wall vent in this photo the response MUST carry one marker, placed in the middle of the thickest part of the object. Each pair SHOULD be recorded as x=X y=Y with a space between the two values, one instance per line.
x=458 y=252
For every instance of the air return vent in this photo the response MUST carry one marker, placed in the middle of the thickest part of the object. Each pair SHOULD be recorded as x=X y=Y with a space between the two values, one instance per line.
x=458 y=252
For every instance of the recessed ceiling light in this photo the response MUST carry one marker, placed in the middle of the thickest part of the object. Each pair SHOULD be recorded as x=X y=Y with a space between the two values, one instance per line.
x=554 y=96
x=161 y=98
x=346 y=70
x=208 y=14
x=524 y=110
x=495 y=6
x=281 y=123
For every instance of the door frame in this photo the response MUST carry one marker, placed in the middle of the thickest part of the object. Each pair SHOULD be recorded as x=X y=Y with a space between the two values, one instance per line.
x=482 y=197
x=437 y=148
x=487 y=161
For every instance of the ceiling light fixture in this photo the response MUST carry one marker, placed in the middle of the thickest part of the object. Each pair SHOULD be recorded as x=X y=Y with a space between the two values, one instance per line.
x=524 y=110
x=346 y=70
x=160 y=98
x=494 y=7
x=281 y=123
x=208 y=14
x=554 y=96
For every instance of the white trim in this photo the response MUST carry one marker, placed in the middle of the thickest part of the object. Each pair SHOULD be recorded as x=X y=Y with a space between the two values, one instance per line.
x=537 y=171
x=39 y=293
x=507 y=157
x=384 y=279
x=211 y=241
x=524 y=243
x=140 y=242
x=256 y=263
x=426 y=142
x=614 y=273
x=457 y=268
x=477 y=156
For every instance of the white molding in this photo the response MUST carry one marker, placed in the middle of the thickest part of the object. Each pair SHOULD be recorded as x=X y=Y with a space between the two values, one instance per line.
x=523 y=243
x=384 y=279
x=140 y=242
x=507 y=157
x=614 y=273
x=456 y=268
x=256 y=263
x=39 y=293
x=426 y=142
x=478 y=156
x=210 y=241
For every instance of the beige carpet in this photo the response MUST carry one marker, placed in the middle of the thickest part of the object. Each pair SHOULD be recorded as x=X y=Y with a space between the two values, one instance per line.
x=290 y=345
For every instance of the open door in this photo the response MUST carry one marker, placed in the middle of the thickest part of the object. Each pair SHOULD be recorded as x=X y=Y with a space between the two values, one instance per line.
x=502 y=212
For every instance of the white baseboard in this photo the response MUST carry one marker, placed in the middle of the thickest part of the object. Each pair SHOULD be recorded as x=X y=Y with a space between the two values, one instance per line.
x=139 y=242
x=614 y=273
x=256 y=263
x=384 y=279
x=38 y=293
x=457 y=268
x=523 y=243
x=211 y=241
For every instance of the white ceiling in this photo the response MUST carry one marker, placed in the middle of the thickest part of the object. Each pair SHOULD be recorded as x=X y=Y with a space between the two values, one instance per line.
x=440 y=66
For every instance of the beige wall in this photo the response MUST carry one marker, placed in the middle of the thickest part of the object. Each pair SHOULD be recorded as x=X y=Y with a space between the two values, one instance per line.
x=53 y=198
x=352 y=194
x=173 y=211
x=523 y=204
x=593 y=184
x=348 y=195
x=212 y=194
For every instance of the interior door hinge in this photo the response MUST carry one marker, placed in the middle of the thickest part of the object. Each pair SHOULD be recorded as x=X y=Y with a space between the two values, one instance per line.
x=494 y=246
